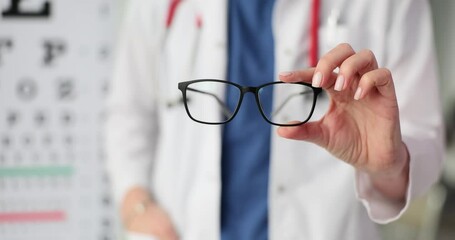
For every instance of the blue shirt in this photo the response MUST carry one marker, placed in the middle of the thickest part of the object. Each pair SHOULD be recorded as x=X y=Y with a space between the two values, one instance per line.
x=246 y=139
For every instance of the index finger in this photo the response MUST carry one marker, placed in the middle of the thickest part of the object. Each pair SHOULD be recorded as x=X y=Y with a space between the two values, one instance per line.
x=297 y=76
x=305 y=76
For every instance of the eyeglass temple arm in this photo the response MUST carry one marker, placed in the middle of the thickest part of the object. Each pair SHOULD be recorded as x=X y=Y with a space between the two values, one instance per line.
x=287 y=100
x=227 y=113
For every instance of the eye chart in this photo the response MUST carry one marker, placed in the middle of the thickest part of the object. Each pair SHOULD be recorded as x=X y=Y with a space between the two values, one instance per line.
x=55 y=58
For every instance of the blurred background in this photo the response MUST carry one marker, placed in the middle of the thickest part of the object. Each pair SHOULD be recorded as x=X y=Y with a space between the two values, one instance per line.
x=55 y=65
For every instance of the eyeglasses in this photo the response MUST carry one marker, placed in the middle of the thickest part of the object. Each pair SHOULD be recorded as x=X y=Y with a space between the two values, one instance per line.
x=294 y=105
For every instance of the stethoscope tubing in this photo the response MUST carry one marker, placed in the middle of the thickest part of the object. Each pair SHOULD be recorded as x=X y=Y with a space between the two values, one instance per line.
x=314 y=27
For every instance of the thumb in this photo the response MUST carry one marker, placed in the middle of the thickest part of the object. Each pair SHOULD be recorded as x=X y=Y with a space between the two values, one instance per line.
x=311 y=132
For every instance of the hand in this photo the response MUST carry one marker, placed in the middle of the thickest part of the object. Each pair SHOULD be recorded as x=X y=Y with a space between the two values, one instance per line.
x=362 y=124
x=154 y=221
x=151 y=220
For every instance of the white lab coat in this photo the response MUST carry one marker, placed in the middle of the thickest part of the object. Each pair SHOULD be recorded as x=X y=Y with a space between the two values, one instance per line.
x=151 y=142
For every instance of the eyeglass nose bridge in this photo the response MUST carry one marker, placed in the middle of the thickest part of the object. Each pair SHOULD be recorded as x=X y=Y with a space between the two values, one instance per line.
x=252 y=90
x=244 y=90
x=255 y=91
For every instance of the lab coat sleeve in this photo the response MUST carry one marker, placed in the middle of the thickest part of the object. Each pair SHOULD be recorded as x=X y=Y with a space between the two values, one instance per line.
x=131 y=127
x=410 y=55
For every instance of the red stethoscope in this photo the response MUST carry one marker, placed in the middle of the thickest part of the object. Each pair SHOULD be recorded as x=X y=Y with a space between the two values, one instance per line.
x=314 y=27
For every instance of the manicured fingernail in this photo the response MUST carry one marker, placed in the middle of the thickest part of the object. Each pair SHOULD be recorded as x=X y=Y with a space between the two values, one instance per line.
x=285 y=74
x=358 y=93
x=339 y=83
x=317 y=79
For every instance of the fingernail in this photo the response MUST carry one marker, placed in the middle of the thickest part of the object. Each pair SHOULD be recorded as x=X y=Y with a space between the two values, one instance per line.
x=285 y=74
x=358 y=93
x=317 y=78
x=339 y=83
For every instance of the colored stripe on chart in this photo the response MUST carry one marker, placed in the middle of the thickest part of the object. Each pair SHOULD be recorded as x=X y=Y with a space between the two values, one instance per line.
x=36 y=171
x=46 y=216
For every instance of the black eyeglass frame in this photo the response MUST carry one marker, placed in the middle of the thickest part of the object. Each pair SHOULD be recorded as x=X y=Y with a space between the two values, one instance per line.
x=183 y=86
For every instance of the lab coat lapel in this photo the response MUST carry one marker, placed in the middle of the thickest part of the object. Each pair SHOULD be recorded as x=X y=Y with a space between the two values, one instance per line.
x=212 y=49
x=210 y=63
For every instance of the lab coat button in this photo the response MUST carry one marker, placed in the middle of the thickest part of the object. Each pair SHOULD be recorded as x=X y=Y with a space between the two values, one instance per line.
x=287 y=52
x=281 y=189
x=220 y=45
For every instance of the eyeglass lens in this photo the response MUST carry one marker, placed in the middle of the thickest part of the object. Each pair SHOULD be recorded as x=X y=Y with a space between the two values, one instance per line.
x=294 y=103
x=203 y=97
